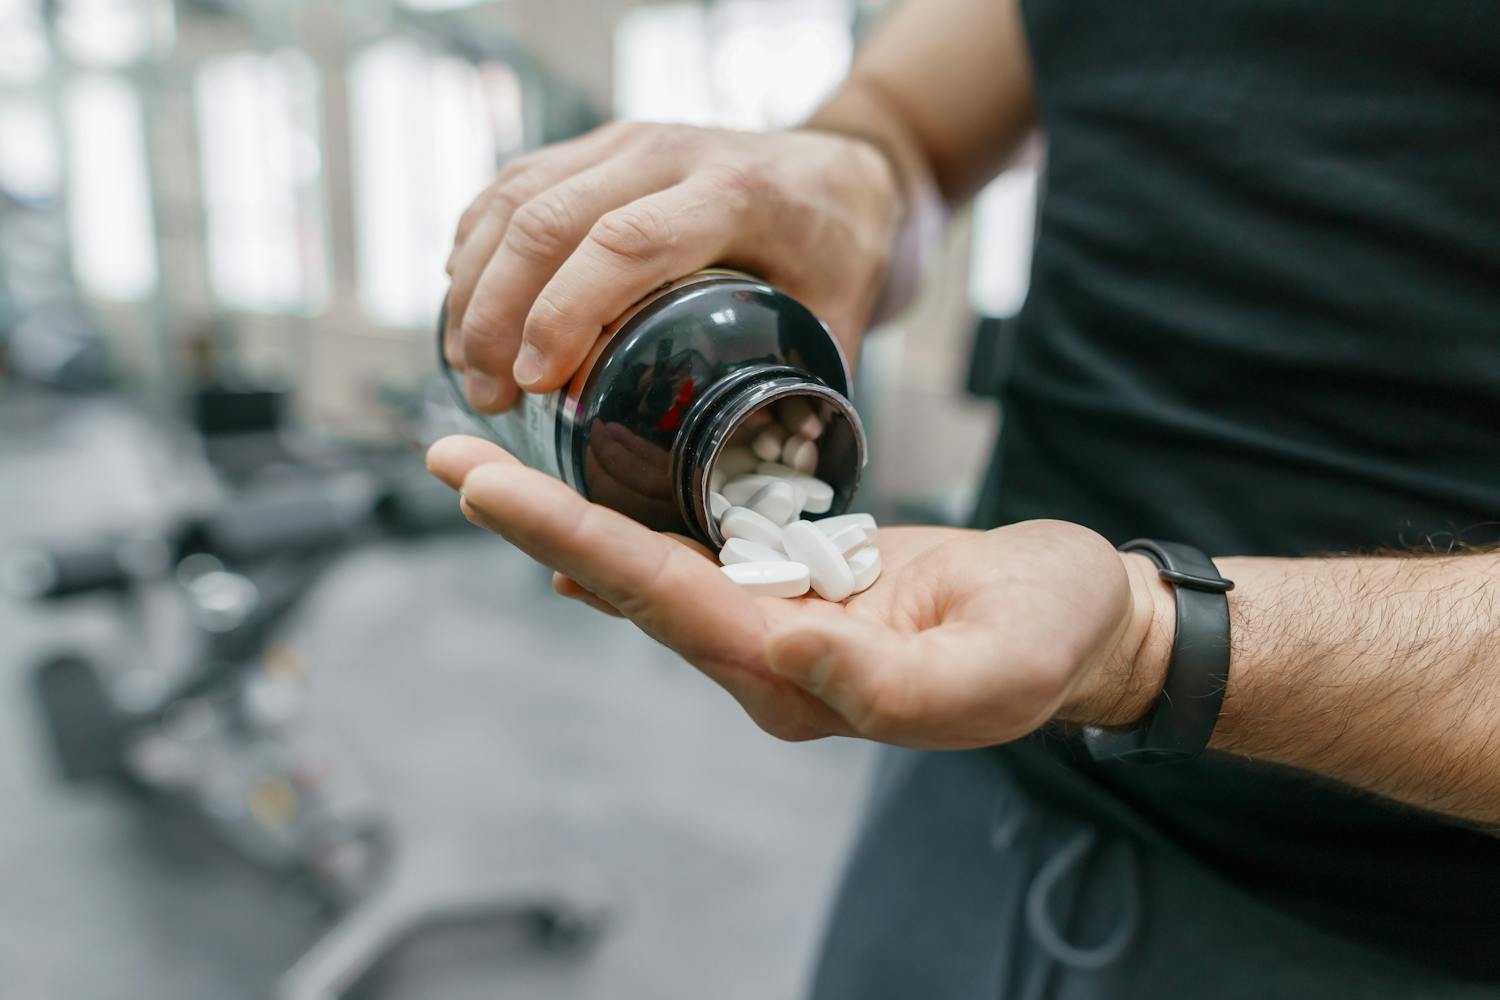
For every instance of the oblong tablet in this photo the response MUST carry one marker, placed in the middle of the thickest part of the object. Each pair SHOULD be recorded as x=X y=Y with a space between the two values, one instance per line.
x=769 y=442
x=831 y=576
x=817 y=496
x=738 y=550
x=865 y=565
x=776 y=502
x=833 y=525
x=798 y=453
x=742 y=522
x=770 y=579
x=740 y=489
x=848 y=539
x=796 y=415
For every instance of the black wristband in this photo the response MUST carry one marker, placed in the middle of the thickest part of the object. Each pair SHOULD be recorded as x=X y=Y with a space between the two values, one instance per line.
x=1182 y=721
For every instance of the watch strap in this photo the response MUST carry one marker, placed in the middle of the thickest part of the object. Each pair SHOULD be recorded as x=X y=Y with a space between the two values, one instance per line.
x=1181 y=722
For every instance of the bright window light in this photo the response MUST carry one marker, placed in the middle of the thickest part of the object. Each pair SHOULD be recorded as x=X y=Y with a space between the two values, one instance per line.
x=774 y=61
x=30 y=167
x=429 y=5
x=662 y=65
x=262 y=169
x=1004 y=231
x=109 y=219
x=738 y=63
x=24 y=54
x=105 y=33
x=427 y=131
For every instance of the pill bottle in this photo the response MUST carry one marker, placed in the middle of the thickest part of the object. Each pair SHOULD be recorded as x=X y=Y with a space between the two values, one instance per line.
x=645 y=418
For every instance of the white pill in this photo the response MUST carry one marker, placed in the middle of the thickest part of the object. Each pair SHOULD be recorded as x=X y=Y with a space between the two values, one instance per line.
x=775 y=502
x=848 y=539
x=843 y=520
x=735 y=460
x=768 y=443
x=718 y=503
x=770 y=579
x=796 y=415
x=799 y=453
x=716 y=480
x=860 y=522
x=831 y=576
x=865 y=565
x=741 y=522
x=738 y=550
x=817 y=496
x=739 y=491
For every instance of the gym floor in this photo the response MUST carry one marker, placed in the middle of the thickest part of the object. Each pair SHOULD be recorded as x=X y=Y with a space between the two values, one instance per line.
x=510 y=735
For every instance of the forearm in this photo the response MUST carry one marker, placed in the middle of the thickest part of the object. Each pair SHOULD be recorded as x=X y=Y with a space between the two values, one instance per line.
x=944 y=89
x=941 y=140
x=1379 y=672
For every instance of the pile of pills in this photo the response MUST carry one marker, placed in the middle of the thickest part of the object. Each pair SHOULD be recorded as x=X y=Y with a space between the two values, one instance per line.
x=760 y=486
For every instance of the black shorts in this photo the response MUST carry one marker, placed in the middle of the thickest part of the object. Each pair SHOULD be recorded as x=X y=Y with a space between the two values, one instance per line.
x=965 y=886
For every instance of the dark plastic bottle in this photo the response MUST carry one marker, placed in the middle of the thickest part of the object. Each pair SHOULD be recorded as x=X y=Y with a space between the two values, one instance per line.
x=642 y=423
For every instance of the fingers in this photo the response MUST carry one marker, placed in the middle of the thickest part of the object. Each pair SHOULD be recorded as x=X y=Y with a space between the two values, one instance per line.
x=890 y=685
x=484 y=226
x=628 y=252
x=453 y=458
x=673 y=593
x=567 y=587
x=540 y=236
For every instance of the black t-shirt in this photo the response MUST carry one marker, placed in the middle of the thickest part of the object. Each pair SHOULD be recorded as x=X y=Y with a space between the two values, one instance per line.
x=1265 y=320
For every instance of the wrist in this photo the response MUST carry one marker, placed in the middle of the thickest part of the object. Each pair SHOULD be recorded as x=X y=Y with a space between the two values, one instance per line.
x=920 y=212
x=1124 y=686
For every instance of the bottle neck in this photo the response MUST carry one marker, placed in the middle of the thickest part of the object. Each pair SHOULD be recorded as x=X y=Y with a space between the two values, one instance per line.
x=722 y=411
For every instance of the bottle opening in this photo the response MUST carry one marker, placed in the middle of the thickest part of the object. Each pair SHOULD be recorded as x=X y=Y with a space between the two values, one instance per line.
x=744 y=401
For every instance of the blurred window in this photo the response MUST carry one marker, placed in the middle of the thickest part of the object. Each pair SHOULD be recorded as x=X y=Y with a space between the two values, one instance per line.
x=30 y=161
x=1004 y=231
x=427 y=130
x=24 y=53
x=262 y=189
x=737 y=63
x=109 y=33
x=439 y=4
x=110 y=225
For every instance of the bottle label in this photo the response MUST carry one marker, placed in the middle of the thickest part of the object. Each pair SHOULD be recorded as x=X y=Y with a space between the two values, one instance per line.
x=529 y=432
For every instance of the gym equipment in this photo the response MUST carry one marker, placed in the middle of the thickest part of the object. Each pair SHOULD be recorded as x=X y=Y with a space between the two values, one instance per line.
x=215 y=732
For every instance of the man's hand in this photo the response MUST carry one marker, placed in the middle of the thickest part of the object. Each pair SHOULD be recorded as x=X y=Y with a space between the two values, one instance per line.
x=567 y=238
x=968 y=639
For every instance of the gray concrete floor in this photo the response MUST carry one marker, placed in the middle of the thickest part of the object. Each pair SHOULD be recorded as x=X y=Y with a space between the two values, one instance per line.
x=507 y=732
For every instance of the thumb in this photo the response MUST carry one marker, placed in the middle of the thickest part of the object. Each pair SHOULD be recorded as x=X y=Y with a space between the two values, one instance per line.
x=861 y=670
x=946 y=687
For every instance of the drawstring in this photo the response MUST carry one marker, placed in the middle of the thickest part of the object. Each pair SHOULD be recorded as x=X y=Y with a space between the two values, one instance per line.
x=1043 y=899
x=1039 y=916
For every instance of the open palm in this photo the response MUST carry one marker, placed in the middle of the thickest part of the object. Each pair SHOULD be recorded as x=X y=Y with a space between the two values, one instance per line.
x=969 y=638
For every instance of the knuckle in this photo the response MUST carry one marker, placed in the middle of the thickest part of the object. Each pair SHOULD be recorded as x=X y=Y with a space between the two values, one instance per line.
x=546 y=323
x=743 y=183
x=480 y=322
x=539 y=230
x=632 y=233
x=668 y=140
x=503 y=203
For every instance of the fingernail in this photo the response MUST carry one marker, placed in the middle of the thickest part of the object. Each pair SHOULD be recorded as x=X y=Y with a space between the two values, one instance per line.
x=528 y=367
x=805 y=659
x=481 y=389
